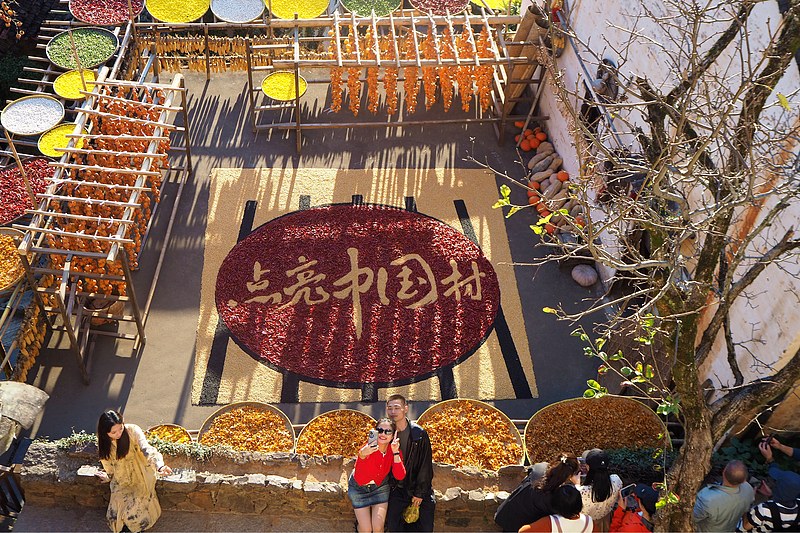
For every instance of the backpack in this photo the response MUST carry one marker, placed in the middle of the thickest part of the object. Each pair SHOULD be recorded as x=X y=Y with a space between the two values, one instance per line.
x=518 y=509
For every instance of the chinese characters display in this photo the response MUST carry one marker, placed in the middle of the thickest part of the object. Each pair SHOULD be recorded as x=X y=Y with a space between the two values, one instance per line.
x=353 y=294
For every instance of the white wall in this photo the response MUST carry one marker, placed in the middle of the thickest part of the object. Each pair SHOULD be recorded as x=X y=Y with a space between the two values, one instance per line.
x=767 y=320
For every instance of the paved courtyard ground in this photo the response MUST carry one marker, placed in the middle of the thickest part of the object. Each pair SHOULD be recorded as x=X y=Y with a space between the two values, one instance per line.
x=154 y=386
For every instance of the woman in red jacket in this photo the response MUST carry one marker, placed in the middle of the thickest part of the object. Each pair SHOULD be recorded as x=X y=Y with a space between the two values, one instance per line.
x=368 y=486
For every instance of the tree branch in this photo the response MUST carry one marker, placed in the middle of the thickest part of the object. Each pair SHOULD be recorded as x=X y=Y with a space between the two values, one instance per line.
x=734 y=404
x=780 y=54
x=714 y=52
x=786 y=244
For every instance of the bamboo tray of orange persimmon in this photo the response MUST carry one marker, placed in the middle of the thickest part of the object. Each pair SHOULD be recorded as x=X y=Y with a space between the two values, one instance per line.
x=558 y=209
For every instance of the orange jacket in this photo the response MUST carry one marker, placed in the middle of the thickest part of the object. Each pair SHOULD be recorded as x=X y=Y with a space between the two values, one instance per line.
x=629 y=522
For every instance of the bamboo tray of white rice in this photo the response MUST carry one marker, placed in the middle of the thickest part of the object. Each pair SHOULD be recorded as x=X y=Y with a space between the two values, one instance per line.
x=237 y=11
x=32 y=115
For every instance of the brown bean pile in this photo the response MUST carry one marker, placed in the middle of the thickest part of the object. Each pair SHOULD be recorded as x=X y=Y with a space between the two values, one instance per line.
x=464 y=433
x=335 y=433
x=249 y=429
x=582 y=424
x=169 y=433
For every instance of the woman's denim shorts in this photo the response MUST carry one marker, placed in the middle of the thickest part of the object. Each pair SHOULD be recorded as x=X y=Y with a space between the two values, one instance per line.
x=365 y=495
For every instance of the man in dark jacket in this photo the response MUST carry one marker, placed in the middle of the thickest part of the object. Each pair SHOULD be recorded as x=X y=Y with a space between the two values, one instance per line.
x=416 y=488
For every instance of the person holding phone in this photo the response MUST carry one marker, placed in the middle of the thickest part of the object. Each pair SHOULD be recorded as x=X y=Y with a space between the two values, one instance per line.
x=635 y=509
x=787 y=482
x=599 y=489
x=368 y=485
x=130 y=464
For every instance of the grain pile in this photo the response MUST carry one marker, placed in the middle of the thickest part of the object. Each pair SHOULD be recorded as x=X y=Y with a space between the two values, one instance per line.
x=341 y=432
x=169 y=433
x=250 y=429
x=468 y=433
x=581 y=424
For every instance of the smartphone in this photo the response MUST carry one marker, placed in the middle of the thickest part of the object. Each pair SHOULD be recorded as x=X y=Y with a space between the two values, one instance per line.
x=628 y=490
x=372 y=437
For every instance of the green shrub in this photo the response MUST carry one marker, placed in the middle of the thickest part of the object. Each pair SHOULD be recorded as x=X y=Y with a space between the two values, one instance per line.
x=747 y=452
x=640 y=465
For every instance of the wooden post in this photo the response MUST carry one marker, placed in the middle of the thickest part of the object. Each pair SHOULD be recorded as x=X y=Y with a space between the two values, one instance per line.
x=208 y=59
x=157 y=62
x=298 y=131
x=186 y=132
x=250 y=90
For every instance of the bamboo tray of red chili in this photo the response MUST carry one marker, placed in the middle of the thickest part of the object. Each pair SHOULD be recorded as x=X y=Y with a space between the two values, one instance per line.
x=581 y=424
x=14 y=197
x=105 y=12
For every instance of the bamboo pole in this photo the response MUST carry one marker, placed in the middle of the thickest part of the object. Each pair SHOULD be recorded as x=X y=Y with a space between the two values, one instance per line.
x=21 y=168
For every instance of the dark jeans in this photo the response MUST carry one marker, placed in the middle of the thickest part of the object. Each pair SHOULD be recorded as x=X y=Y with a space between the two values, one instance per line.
x=399 y=499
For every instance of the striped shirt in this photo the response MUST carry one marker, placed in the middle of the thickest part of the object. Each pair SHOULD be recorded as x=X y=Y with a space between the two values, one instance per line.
x=774 y=516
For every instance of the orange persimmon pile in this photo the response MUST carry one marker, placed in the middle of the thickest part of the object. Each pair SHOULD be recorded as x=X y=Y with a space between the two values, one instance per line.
x=470 y=79
x=107 y=186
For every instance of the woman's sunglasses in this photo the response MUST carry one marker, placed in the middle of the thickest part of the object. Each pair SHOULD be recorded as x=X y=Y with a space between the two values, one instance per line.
x=384 y=431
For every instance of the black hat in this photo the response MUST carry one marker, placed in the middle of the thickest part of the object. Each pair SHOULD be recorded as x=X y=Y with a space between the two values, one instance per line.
x=596 y=458
x=647 y=496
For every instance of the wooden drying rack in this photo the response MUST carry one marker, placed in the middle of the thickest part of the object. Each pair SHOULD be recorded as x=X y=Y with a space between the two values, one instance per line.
x=513 y=67
x=65 y=300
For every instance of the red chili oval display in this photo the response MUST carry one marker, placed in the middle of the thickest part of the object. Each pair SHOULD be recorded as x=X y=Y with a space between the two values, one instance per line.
x=345 y=295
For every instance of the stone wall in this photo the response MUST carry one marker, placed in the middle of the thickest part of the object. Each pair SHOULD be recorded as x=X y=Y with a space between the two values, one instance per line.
x=285 y=487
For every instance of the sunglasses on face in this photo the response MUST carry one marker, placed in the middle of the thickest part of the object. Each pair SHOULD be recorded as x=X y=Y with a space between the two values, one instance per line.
x=384 y=431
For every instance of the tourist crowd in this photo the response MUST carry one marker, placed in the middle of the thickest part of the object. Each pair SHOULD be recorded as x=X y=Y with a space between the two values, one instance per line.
x=390 y=487
x=580 y=495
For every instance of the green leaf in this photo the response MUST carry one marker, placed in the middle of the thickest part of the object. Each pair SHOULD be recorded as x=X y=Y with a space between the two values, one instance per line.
x=584 y=337
x=593 y=384
x=649 y=373
x=589 y=393
x=615 y=356
x=500 y=203
x=514 y=209
x=626 y=371
x=538 y=230
x=599 y=343
x=505 y=191
x=549 y=310
x=784 y=102
x=544 y=220
x=576 y=332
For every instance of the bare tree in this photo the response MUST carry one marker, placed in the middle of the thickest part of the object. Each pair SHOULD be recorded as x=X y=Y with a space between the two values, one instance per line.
x=699 y=166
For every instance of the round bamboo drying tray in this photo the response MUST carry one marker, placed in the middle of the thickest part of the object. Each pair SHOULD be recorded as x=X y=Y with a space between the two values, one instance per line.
x=7 y=123
x=263 y=406
x=257 y=10
x=345 y=437
x=65 y=126
x=178 y=11
x=84 y=65
x=17 y=236
x=185 y=436
x=121 y=19
x=347 y=4
x=593 y=434
x=454 y=437
x=24 y=161
x=289 y=95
